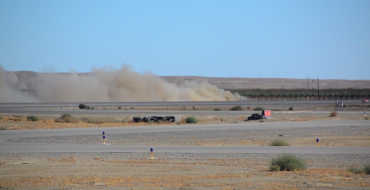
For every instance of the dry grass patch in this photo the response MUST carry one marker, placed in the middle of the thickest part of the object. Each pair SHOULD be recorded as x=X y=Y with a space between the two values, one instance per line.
x=365 y=169
x=333 y=114
x=279 y=142
x=66 y=118
x=67 y=160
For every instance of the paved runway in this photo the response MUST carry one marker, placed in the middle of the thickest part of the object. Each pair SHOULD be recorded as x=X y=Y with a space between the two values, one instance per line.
x=13 y=147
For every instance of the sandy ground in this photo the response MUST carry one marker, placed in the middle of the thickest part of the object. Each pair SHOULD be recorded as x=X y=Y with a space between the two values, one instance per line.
x=120 y=171
x=117 y=172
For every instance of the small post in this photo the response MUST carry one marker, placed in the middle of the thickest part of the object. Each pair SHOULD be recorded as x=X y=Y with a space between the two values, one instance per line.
x=103 y=139
x=363 y=105
x=317 y=141
x=151 y=153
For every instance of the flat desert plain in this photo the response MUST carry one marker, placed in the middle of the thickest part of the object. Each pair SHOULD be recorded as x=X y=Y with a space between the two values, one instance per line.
x=186 y=170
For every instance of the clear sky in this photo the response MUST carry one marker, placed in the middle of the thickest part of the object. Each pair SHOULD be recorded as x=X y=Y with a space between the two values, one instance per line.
x=277 y=38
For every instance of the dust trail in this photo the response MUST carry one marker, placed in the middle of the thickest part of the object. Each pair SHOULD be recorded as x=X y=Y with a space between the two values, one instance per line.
x=10 y=94
x=121 y=85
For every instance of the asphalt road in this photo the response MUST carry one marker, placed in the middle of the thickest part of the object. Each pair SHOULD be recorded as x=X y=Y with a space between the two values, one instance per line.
x=13 y=147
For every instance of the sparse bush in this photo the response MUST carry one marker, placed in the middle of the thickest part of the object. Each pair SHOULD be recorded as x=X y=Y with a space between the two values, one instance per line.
x=82 y=106
x=194 y=108
x=132 y=108
x=287 y=162
x=32 y=118
x=66 y=115
x=87 y=120
x=66 y=118
x=367 y=169
x=191 y=119
x=179 y=123
x=1 y=117
x=59 y=120
x=119 y=107
x=236 y=108
x=3 y=128
x=366 y=117
x=258 y=109
x=261 y=120
x=333 y=114
x=248 y=108
x=279 y=142
x=99 y=122
x=290 y=108
x=217 y=109
x=355 y=170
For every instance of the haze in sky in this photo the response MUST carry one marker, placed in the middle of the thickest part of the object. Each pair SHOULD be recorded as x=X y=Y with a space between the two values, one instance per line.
x=268 y=38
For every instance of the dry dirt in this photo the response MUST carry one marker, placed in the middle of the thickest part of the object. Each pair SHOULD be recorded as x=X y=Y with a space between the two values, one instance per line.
x=104 y=172
x=21 y=171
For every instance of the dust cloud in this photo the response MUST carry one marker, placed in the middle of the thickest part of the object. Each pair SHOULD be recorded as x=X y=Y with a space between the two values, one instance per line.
x=9 y=94
x=111 y=85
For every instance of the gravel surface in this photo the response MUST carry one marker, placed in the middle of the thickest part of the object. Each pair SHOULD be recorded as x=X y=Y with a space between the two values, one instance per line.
x=334 y=161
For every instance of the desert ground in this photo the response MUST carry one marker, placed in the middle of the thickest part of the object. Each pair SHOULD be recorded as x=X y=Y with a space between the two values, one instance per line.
x=125 y=170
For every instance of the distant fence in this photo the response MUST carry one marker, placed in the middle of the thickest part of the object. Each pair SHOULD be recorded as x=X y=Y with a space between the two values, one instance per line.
x=303 y=94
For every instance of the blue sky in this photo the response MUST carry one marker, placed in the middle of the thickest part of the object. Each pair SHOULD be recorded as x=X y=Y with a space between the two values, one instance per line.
x=284 y=39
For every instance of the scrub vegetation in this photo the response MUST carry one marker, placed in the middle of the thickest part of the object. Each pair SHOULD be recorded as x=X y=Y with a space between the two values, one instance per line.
x=287 y=162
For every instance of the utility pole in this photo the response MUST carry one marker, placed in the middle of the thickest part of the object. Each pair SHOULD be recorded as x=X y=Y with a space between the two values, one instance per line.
x=308 y=83
x=318 y=87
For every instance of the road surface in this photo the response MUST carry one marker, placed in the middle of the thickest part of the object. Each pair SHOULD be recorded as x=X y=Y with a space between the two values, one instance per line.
x=16 y=147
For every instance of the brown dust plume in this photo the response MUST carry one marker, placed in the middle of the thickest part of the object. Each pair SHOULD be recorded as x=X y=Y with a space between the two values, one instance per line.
x=109 y=85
